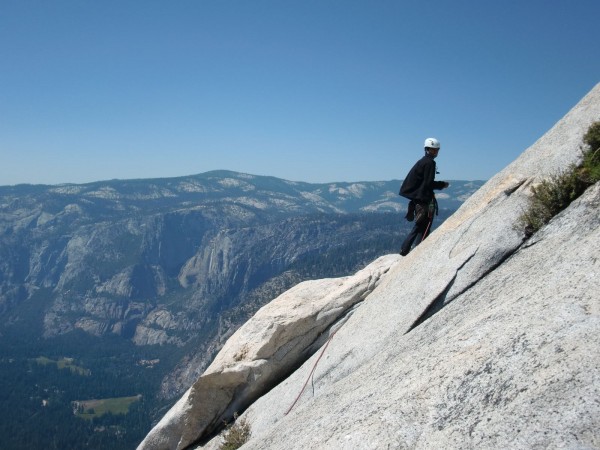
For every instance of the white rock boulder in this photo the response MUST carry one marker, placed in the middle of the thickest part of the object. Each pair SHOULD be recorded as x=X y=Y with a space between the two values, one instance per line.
x=262 y=352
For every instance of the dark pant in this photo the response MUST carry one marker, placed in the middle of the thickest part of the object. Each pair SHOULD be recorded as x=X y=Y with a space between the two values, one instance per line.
x=417 y=233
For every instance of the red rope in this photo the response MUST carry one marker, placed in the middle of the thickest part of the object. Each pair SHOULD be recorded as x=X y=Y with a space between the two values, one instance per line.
x=426 y=230
x=311 y=373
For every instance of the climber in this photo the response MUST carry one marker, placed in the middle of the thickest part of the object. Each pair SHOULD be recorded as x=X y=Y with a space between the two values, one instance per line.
x=418 y=187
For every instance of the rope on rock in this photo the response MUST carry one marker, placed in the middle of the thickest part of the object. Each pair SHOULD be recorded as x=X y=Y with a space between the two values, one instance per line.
x=311 y=373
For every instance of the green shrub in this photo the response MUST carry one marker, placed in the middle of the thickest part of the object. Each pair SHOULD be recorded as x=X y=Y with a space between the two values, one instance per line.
x=549 y=198
x=237 y=434
x=592 y=137
x=553 y=195
x=591 y=156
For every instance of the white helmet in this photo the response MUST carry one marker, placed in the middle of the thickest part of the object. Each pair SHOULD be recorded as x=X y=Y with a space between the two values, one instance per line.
x=432 y=143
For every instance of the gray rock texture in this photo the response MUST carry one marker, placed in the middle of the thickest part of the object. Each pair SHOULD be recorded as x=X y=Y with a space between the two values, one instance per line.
x=262 y=352
x=514 y=362
x=476 y=339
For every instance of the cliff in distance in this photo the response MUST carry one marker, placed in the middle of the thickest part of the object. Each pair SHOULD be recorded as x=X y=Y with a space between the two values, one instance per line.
x=479 y=338
x=138 y=283
x=178 y=262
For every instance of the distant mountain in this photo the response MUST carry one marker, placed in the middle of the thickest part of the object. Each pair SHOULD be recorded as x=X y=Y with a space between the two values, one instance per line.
x=143 y=280
x=121 y=197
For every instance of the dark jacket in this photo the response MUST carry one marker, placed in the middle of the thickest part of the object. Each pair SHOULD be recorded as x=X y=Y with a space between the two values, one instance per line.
x=420 y=181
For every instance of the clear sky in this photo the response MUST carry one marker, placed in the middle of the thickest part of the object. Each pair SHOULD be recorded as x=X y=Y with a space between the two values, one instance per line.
x=306 y=90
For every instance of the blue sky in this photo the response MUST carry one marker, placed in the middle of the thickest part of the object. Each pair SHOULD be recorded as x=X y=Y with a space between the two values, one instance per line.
x=317 y=91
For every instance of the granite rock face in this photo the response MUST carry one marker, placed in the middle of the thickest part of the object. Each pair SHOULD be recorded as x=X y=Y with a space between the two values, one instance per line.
x=509 y=355
x=262 y=352
x=477 y=339
x=514 y=362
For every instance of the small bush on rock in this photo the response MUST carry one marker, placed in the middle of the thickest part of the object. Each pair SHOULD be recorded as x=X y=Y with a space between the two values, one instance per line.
x=591 y=157
x=237 y=434
x=553 y=195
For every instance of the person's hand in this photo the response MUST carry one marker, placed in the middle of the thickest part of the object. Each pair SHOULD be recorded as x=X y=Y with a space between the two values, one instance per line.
x=446 y=184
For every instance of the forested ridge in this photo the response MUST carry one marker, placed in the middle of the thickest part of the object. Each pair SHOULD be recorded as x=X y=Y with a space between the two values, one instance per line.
x=37 y=395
